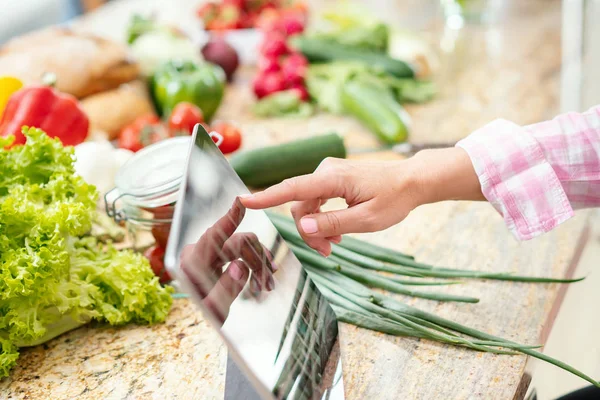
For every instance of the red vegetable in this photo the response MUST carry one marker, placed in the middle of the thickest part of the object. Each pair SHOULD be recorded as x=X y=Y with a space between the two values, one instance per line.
x=232 y=137
x=297 y=59
x=267 y=65
x=265 y=84
x=142 y=132
x=231 y=14
x=156 y=256
x=184 y=118
x=274 y=45
x=58 y=114
x=219 y=52
x=267 y=20
x=292 y=22
x=239 y=4
x=300 y=89
x=208 y=12
x=294 y=70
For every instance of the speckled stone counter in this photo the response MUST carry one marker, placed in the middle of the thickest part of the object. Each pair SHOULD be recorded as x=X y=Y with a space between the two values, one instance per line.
x=180 y=359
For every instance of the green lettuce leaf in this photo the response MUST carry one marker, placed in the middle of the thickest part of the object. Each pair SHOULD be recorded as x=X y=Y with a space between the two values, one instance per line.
x=52 y=277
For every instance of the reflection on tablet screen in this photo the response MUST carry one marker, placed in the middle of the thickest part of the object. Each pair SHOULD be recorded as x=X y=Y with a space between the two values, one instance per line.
x=279 y=328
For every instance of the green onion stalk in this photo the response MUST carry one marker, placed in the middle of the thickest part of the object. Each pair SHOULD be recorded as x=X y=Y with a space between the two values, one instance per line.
x=349 y=276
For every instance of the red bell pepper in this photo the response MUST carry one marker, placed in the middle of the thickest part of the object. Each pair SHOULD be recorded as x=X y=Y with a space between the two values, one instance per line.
x=58 y=114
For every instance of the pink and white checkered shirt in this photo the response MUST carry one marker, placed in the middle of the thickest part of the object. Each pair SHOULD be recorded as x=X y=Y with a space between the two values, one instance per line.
x=535 y=176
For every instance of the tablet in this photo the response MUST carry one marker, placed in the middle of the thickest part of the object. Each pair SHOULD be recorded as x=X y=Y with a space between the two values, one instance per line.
x=280 y=330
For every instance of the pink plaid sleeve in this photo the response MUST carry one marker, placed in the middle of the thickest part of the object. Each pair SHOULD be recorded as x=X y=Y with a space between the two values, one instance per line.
x=535 y=176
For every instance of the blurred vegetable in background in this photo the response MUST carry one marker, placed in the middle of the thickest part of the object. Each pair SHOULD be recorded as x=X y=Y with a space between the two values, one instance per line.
x=280 y=68
x=97 y=162
x=232 y=137
x=184 y=118
x=8 y=86
x=287 y=103
x=369 y=94
x=352 y=25
x=153 y=44
x=247 y=14
x=142 y=132
x=44 y=107
x=177 y=81
x=218 y=51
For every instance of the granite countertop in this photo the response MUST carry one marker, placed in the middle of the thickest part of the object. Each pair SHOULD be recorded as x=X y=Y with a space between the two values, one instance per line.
x=511 y=69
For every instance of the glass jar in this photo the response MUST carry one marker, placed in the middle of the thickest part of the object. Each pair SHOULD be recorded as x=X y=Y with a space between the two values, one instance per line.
x=146 y=191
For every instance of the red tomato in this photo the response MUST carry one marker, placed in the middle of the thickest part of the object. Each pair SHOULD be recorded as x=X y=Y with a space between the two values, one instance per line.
x=232 y=137
x=183 y=119
x=142 y=132
x=156 y=255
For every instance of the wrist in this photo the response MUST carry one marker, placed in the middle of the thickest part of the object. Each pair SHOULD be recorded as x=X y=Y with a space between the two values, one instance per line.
x=445 y=174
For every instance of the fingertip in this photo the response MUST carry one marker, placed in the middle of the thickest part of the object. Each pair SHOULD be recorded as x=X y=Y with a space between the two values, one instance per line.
x=335 y=239
x=325 y=249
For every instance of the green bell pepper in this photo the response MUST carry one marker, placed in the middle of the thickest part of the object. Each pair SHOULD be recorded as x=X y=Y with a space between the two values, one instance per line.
x=178 y=81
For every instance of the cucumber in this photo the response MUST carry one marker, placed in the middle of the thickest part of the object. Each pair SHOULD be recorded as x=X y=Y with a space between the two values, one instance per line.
x=377 y=109
x=319 y=50
x=267 y=166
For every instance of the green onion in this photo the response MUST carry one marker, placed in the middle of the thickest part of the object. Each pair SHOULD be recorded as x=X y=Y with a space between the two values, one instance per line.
x=370 y=319
x=347 y=276
x=370 y=278
x=404 y=265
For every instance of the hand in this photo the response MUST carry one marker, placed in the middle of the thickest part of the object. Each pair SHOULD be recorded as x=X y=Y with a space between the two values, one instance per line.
x=203 y=263
x=379 y=194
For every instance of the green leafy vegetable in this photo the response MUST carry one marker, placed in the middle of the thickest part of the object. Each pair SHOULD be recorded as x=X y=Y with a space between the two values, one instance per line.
x=286 y=103
x=52 y=277
x=352 y=25
x=326 y=82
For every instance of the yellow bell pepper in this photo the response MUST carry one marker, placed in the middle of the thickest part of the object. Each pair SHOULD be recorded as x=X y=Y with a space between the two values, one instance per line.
x=8 y=85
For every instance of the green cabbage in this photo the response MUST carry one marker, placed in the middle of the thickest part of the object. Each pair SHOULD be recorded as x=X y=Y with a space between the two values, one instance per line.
x=53 y=277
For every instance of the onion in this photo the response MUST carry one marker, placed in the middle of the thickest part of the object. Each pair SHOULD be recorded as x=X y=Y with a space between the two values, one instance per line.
x=218 y=51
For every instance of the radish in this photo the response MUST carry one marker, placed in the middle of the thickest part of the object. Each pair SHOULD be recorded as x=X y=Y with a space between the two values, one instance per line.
x=267 y=83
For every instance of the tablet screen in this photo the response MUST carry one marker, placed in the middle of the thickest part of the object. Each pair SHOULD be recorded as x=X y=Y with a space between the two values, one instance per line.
x=279 y=328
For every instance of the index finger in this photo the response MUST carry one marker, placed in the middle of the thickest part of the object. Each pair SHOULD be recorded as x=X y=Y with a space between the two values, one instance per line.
x=305 y=187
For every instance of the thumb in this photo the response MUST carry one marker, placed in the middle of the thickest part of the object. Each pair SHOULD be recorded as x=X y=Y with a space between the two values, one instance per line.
x=334 y=223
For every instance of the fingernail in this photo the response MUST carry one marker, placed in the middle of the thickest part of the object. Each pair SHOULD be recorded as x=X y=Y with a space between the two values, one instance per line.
x=337 y=240
x=309 y=225
x=271 y=283
x=321 y=252
x=255 y=285
x=235 y=271
x=245 y=196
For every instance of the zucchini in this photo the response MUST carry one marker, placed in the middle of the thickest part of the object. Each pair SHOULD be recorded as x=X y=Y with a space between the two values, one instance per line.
x=377 y=109
x=319 y=50
x=267 y=166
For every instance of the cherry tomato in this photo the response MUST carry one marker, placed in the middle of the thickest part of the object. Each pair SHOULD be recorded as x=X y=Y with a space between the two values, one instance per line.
x=142 y=132
x=183 y=119
x=156 y=255
x=232 y=137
